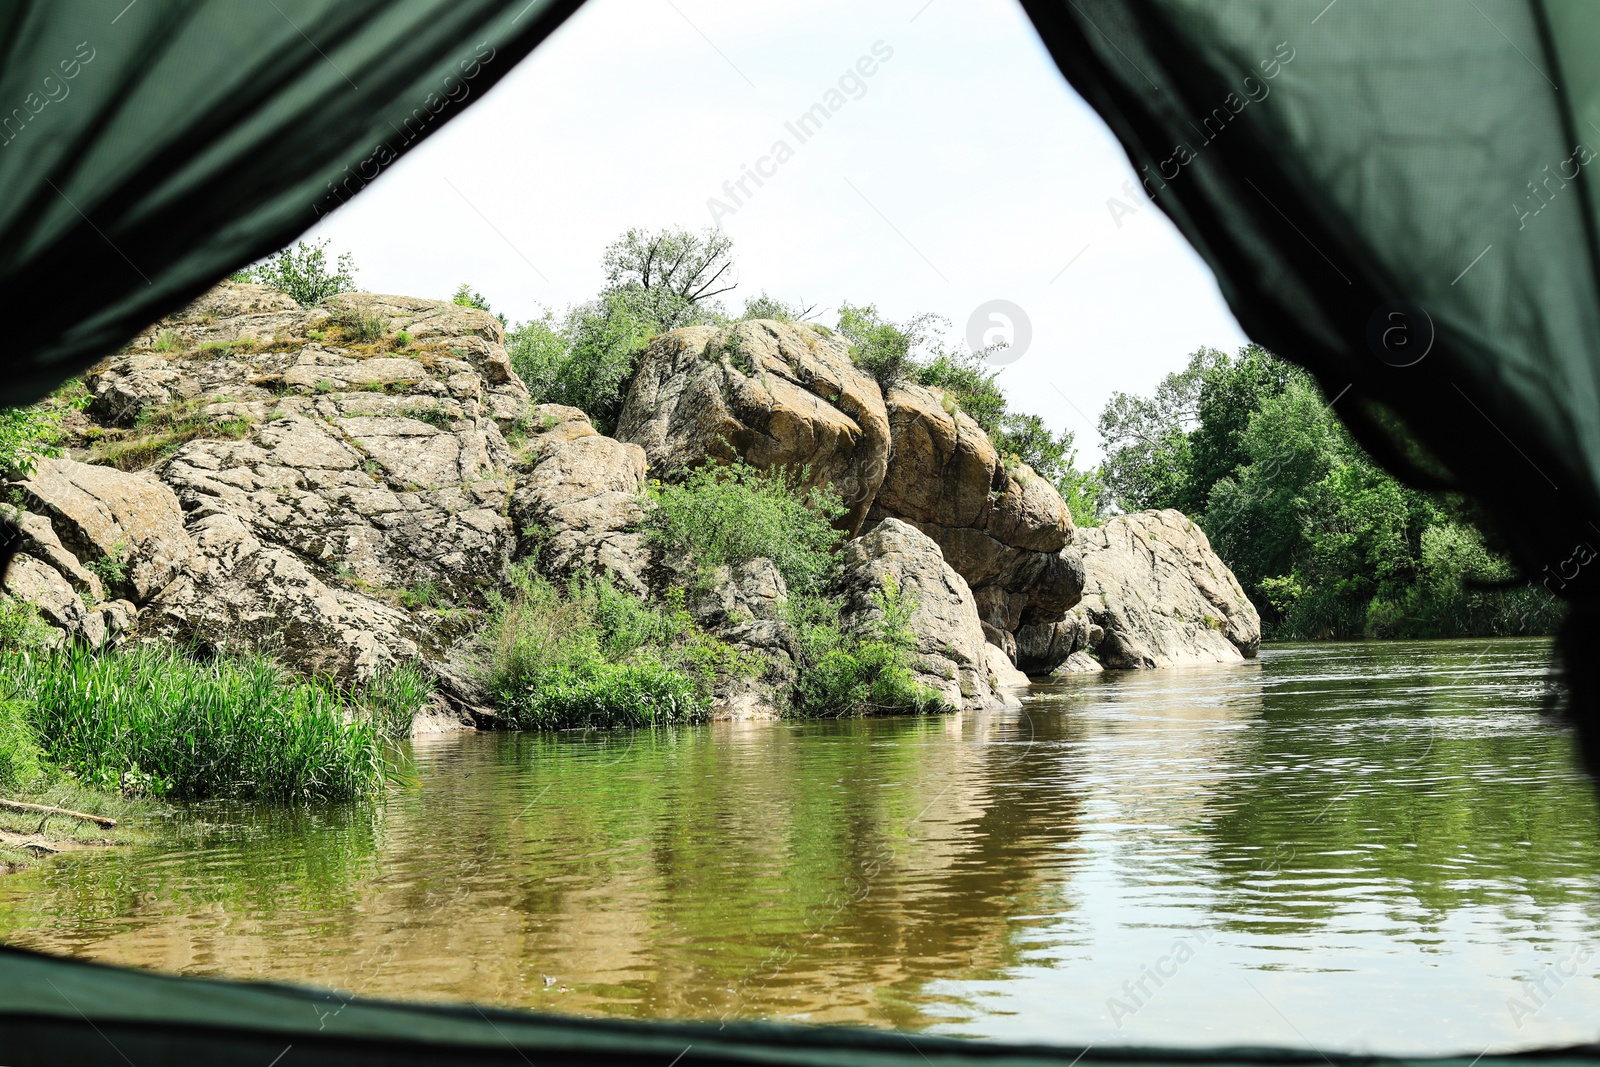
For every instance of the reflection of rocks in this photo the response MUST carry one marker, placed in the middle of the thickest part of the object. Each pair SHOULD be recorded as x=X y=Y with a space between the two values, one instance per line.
x=1162 y=597
x=951 y=655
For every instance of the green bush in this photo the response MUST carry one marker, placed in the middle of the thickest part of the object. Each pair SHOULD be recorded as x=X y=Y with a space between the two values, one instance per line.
x=654 y=282
x=21 y=627
x=25 y=435
x=149 y=719
x=861 y=671
x=303 y=272
x=590 y=654
x=731 y=515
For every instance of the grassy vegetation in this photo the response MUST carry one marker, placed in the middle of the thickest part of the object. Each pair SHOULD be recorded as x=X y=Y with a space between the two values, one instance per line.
x=726 y=516
x=161 y=431
x=589 y=654
x=846 y=671
x=150 y=720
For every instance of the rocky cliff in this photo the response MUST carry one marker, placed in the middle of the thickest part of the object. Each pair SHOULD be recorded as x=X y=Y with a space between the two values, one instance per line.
x=788 y=394
x=345 y=485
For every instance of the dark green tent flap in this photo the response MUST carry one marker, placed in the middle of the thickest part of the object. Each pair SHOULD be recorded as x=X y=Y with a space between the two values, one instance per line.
x=60 y=1011
x=1399 y=197
x=149 y=148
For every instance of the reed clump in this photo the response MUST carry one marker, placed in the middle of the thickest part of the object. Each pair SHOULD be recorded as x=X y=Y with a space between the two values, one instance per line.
x=150 y=720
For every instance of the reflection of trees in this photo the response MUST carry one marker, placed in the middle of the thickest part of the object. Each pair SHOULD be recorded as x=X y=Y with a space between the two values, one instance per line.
x=829 y=870
x=822 y=869
x=245 y=866
x=1402 y=781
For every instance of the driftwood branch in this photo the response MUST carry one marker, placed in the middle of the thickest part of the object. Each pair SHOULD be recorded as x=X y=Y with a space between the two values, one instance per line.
x=41 y=809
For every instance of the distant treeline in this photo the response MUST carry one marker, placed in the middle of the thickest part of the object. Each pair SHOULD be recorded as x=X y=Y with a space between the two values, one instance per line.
x=1325 y=542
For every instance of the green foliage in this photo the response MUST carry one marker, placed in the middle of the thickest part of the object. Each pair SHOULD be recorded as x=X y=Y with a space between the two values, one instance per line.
x=303 y=272
x=769 y=307
x=726 y=516
x=589 y=654
x=914 y=351
x=882 y=348
x=112 y=568
x=393 y=697
x=21 y=627
x=654 y=282
x=1146 y=439
x=21 y=760
x=854 y=672
x=25 y=435
x=1325 y=542
x=149 y=719
x=466 y=296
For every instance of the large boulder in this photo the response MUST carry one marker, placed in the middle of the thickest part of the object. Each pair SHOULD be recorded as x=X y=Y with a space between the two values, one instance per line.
x=1000 y=525
x=951 y=655
x=1161 y=596
x=783 y=394
x=774 y=394
x=101 y=513
x=578 y=504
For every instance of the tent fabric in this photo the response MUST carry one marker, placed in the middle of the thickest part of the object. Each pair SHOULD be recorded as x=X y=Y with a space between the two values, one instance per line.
x=57 y=1011
x=1398 y=197
x=1367 y=180
x=148 y=148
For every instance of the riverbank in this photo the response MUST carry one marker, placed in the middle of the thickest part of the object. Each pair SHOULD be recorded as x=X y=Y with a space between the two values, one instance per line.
x=29 y=837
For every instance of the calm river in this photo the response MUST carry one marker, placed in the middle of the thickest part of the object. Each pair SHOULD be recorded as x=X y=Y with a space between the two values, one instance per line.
x=1368 y=847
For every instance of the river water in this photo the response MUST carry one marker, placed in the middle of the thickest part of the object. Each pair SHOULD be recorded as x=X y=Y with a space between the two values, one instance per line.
x=1374 y=847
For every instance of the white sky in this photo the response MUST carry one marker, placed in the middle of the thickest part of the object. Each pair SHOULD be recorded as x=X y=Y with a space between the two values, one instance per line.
x=968 y=171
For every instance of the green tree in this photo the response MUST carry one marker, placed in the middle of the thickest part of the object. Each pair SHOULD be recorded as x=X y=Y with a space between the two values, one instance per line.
x=303 y=272
x=1231 y=391
x=1146 y=439
x=654 y=282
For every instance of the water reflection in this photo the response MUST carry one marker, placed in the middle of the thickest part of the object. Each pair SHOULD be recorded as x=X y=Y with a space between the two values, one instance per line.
x=1364 y=845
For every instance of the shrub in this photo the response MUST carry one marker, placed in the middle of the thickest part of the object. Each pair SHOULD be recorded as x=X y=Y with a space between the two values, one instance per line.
x=21 y=627
x=468 y=297
x=149 y=719
x=25 y=435
x=303 y=273
x=768 y=307
x=654 y=282
x=590 y=654
x=730 y=515
x=881 y=348
x=358 y=327
x=868 y=670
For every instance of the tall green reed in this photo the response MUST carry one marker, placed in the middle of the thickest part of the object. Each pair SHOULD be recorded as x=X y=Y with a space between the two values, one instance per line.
x=151 y=719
